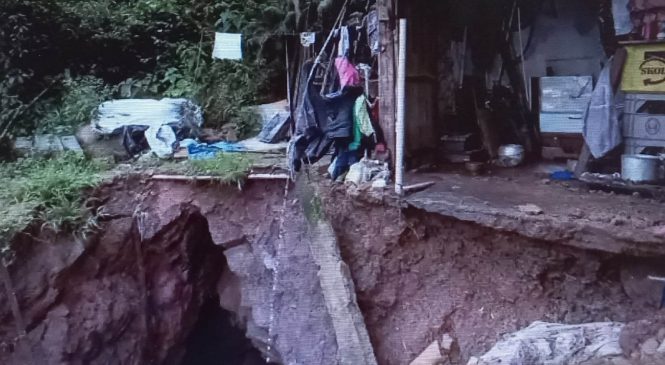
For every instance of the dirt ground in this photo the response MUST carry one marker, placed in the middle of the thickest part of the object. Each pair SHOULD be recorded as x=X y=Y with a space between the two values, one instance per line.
x=420 y=275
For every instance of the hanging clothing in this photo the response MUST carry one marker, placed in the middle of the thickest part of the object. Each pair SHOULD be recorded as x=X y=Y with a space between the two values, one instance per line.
x=362 y=123
x=373 y=32
x=321 y=121
x=348 y=75
x=344 y=47
x=362 y=117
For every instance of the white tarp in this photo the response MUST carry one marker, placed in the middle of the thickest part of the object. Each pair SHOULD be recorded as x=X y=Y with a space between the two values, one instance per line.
x=228 y=46
x=112 y=116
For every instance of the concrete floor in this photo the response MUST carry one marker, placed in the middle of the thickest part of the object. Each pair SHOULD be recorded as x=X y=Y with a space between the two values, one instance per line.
x=526 y=201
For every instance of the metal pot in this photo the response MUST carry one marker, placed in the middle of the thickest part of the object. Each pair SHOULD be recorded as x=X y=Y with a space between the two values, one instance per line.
x=511 y=155
x=640 y=168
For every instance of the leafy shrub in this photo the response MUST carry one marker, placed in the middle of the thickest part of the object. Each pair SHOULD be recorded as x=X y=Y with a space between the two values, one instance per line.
x=49 y=190
x=145 y=48
x=80 y=97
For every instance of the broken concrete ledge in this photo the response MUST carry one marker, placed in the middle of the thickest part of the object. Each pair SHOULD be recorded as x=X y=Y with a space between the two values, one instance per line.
x=554 y=229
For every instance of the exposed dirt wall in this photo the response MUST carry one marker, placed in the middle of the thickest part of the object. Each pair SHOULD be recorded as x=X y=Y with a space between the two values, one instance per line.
x=133 y=293
x=106 y=301
x=421 y=275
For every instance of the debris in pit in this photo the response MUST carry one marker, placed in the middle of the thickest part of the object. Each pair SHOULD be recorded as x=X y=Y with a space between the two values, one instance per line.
x=650 y=347
x=439 y=352
x=550 y=343
x=530 y=209
x=431 y=356
x=450 y=348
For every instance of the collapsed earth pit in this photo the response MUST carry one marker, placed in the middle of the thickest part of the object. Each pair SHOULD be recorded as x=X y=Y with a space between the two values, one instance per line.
x=420 y=276
x=139 y=289
x=184 y=273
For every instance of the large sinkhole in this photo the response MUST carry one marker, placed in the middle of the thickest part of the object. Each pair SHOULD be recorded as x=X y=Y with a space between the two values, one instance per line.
x=219 y=336
x=218 y=339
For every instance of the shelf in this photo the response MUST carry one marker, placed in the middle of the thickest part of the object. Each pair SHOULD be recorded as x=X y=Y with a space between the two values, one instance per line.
x=635 y=43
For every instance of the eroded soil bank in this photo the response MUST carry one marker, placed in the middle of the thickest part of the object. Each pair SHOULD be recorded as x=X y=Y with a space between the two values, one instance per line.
x=133 y=293
x=171 y=257
x=420 y=275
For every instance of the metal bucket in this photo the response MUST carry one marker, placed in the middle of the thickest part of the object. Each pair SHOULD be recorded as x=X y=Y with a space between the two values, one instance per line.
x=640 y=168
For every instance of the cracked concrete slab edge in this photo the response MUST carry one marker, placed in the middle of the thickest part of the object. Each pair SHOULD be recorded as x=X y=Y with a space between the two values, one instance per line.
x=566 y=233
x=353 y=342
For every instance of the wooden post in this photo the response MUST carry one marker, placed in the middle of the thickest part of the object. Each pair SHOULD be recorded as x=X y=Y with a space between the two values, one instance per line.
x=583 y=161
x=387 y=69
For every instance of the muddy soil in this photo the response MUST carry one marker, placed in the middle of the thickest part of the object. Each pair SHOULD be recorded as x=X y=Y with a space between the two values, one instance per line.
x=420 y=276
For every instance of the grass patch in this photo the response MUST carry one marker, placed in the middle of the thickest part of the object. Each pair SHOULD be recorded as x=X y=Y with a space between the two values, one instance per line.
x=228 y=167
x=47 y=190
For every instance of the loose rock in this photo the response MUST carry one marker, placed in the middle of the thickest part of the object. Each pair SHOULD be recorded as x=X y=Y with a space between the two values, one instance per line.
x=661 y=349
x=473 y=361
x=548 y=343
x=649 y=347
x=661 y=334
x=447 y=343
x=530 y=209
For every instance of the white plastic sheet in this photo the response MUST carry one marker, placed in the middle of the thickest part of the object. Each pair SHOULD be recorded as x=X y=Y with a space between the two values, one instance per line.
x=112 y=116
x=161 y=140
x=228 y=46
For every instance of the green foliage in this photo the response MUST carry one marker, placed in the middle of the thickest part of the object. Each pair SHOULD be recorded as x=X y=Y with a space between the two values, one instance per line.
x=48 y=190
x=226 y=167
x=143 y=48
x=80 y=97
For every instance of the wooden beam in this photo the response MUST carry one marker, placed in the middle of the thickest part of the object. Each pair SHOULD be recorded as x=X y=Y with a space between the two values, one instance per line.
x=213 y=178
x=583 y=161
x=655 y=278
x=387 y=70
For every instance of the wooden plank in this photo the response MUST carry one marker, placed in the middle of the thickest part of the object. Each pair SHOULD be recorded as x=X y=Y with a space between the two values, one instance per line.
x=387 y=70
x=583 y=162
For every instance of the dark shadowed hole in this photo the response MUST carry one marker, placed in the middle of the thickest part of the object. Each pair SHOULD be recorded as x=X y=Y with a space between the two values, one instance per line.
x=215 y=340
